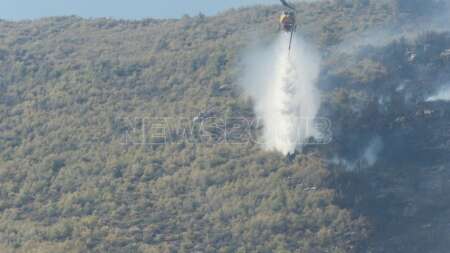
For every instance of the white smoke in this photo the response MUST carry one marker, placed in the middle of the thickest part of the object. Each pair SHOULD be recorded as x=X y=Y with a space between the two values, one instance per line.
x=365 y=160
x=282 y=85
x=443 y=95
x=370 y=156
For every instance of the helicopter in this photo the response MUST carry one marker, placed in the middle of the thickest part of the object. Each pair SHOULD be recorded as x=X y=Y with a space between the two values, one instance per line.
x=287 y=21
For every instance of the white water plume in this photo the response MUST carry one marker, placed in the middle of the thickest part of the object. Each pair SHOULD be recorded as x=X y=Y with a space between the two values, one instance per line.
x=282 y=85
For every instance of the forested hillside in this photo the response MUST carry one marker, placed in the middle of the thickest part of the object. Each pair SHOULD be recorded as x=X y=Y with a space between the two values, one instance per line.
x=81 y=169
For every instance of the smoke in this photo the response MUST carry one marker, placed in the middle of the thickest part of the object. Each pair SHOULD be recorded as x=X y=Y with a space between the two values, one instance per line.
x=442 y=95
x=367 y=159
x=414 y=18
x=370 y=156
x=282 y=85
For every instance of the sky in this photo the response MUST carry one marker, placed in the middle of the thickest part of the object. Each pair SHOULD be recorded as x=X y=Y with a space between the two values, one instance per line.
x=128 y=9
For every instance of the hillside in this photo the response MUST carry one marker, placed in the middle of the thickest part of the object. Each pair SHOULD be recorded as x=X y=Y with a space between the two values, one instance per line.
x=83 y=170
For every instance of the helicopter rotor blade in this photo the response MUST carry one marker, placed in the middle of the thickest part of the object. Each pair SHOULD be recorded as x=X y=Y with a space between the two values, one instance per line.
x=286 y=4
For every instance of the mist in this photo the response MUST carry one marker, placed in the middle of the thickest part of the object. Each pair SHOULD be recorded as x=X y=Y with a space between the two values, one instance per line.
x=282 y=86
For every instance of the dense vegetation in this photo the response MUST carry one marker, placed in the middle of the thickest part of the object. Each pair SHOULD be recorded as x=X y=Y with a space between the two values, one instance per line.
x=75 y=177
